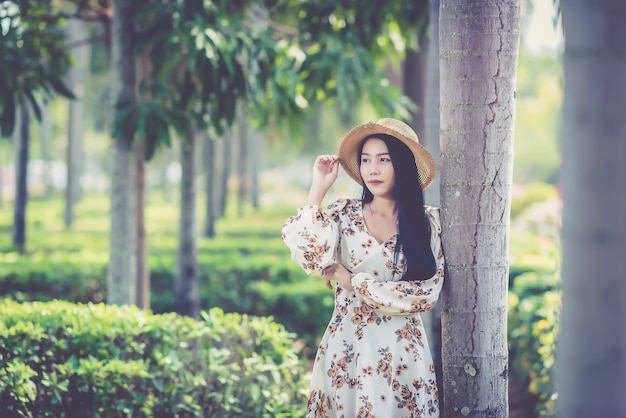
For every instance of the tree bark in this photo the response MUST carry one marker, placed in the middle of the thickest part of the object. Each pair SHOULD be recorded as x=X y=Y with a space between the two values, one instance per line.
x=21 y=177
x=591 y=360
x=414 y=86
x=432 y=101
x=256 y=148
x=45 y=134
x=479 y=44
x=122 y=270
x=186 y=287
x=226 y=142
x=77 y=30
x=242 y=160
x=431 y=141
x=143 y=270
x=210 y=185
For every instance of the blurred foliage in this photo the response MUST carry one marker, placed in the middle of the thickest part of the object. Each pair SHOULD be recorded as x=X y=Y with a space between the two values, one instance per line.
x=62 y=359
x=247 y=269
x=533 y=193
x=539 y=95
x=33 y=58
x=534 y=292
x=534 y=311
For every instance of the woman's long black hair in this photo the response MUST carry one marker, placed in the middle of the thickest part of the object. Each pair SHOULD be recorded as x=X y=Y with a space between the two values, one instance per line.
x=413 y=225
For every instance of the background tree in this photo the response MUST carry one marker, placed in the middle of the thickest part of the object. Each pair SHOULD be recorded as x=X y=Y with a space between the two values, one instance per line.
x=479 y=44
x=21 y=143
x=78 y=43
x=33 y=61
x=591 y=366
x=431 y=141
x=122 y=268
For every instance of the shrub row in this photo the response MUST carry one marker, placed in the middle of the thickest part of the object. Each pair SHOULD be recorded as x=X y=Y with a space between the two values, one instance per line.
x=59 y=359
x=256 y=284
x=534 y=309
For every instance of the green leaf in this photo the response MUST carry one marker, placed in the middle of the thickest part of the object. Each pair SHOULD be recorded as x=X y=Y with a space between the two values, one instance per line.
x=60 y=87
x=7 y=118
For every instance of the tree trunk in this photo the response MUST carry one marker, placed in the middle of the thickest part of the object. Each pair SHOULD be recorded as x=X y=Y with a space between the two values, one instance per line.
x=210 y=186
x=122 y=271
x=432 y=100
x=45 y=135
x=479 y=44
x=256 y=148
x=431 y=141
x=414 y=86
x=21 y=178
x=143 y=270
x=77 y=30
x=186 y=287
x=242 y=160
x=591 y=365
x=226 y=170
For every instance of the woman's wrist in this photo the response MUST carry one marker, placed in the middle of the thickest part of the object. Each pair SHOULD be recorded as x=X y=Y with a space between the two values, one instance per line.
x=316 y=196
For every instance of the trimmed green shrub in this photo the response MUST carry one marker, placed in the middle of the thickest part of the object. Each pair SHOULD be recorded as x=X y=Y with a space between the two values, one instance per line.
x=60 y=359
x=534 y=309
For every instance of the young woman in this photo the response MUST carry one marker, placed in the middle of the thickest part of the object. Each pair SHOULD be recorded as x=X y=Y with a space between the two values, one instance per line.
x=384 y=253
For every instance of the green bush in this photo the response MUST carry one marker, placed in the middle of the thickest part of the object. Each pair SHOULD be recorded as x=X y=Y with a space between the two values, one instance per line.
x=61 y=359
x=257 y=284
x=534 y=308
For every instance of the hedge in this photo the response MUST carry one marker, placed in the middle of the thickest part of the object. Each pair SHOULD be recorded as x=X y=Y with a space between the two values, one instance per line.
x=59 y=359
x=534 y=310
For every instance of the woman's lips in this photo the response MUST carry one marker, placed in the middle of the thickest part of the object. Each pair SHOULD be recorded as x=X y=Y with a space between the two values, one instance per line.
x=375 y=182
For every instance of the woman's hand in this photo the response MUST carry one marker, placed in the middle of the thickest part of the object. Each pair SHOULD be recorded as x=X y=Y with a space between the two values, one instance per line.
x=338 y=273
x=325 y=171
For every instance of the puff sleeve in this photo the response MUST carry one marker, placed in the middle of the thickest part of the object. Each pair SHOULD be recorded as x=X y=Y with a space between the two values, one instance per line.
x=313 y=235
x=405 y=297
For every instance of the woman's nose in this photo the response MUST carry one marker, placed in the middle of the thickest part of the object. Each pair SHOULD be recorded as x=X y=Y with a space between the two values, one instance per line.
x=374 y=168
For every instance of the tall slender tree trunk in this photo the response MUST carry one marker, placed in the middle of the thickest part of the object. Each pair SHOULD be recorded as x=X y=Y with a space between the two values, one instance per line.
x=591 y=356
x=214 y=173
x=143 y=270
x=242 y=159
x=45 y=135
x=256 y=152
x=21 y=177
x=431 y=141
x=432 y=100
x=414 y=86
x=479 y=44
x=77 y=30
x=122 y=270
x=226 y=170
x=186 y=287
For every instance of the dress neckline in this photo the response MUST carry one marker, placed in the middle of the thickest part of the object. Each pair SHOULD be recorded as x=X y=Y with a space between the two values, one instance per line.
x=367 y=231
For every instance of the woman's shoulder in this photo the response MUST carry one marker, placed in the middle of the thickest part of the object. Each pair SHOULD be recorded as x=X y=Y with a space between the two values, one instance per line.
x=432 y=213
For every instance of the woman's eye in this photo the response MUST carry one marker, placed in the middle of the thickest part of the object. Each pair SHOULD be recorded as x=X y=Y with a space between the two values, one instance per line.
x=385 y=159
x=364 y=160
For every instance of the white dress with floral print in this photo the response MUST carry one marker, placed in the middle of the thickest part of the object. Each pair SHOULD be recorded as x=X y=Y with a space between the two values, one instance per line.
x=374 y=359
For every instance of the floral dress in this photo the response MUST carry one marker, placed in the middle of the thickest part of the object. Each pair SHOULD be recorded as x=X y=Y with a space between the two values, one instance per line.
x=374 y=359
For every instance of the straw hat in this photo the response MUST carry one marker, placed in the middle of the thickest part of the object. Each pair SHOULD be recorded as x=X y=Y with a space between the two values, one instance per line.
x=349 y=148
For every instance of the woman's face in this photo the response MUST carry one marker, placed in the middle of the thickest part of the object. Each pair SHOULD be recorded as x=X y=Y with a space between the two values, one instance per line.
x=376 y=168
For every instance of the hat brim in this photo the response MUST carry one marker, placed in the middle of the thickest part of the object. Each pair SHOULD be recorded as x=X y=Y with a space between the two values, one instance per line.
x=349 y=148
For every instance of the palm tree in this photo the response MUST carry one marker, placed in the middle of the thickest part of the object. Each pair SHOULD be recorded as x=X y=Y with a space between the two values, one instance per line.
x=121 y=275
x=591 y=366
x=479 y=42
